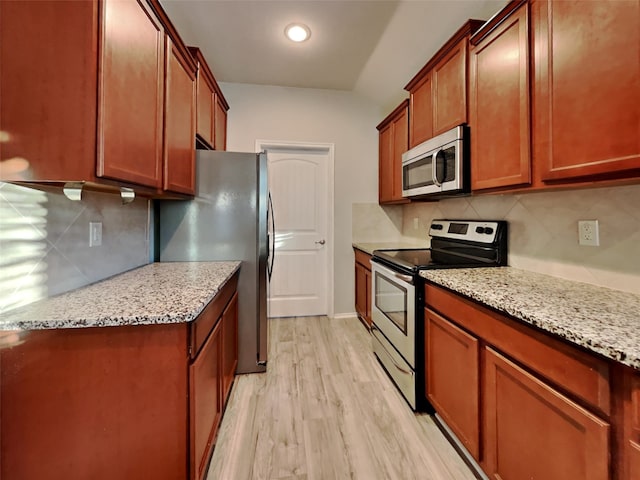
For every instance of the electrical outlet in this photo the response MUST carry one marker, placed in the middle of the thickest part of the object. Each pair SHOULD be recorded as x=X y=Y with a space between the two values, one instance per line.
x=416 y=223
x=588 y=233
x=95 y=234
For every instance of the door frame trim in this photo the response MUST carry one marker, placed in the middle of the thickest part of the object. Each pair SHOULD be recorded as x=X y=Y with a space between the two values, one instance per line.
x=328 y=148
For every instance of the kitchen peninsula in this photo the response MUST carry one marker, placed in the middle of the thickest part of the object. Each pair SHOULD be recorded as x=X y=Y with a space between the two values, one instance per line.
x=125 y=378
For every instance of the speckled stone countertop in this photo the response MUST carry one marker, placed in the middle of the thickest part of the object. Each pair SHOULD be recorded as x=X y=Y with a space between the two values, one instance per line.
x=172 y=292
x=370 y=247
x=600 y=319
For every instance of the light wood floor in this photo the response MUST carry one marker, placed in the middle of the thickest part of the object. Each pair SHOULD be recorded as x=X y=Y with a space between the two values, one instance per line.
x=326 y=410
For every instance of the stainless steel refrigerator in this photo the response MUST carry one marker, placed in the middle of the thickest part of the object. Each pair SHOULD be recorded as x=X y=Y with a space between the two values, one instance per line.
x=229 y=219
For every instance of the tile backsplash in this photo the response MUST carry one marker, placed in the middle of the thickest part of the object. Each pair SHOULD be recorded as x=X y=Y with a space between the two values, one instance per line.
x=44 y=241
x=543 y=230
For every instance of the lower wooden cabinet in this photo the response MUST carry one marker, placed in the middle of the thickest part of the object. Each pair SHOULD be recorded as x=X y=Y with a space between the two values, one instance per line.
x=363 y=286
x=127 y=402
x=452 y=378
x=631 y=437
x=205 y=401
x=533 y=431
x=525 y=404
x=229 y=346
x=634 y=460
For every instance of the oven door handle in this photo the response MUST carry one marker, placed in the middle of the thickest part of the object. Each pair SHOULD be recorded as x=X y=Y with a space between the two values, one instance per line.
x=404 y=278
x=375 y=329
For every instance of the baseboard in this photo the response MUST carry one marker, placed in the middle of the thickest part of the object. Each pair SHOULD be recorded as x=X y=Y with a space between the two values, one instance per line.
x=345 y=315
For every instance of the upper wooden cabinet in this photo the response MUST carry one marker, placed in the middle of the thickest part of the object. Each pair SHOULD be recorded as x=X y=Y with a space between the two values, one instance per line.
x=130 y=94
x=179 y=113
x=393 y=142
x=438 y=93
x=48 y=85
x=86 y=106
x=220 y=109
x=180 y=122
x=499 y=110
x=212 y=106
x=586 y=89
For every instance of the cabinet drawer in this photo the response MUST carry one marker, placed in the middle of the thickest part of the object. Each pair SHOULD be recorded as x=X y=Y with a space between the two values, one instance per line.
x=572 y=370
x=202 y=326
x=363 y=258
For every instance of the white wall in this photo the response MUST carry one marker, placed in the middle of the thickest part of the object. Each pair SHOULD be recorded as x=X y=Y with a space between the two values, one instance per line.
x=316 y=116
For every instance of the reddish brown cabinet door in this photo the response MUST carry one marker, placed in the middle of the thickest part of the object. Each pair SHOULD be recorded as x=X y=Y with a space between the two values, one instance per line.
x=499 y=105
x=586 y=88
x=385 y=165
x=180 y=123
x=633 y=440
x=400 y=145
x=452 y=378
x=393 y=142
x=367 y=305
x=421 y=121
x=634 y=460
x=363 y=286
x=205 y=109
x=532 y=431
x=449 y=78
x=48 y=83
x=205 y=388
x=130 y=96
x=229 y=345
x=361 y=293
x=220 y=124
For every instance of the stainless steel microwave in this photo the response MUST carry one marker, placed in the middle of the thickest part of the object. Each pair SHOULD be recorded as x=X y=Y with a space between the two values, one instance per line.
x=438 y=166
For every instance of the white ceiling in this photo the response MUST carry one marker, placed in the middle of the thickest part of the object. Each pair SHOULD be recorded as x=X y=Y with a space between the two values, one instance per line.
x=371 y=47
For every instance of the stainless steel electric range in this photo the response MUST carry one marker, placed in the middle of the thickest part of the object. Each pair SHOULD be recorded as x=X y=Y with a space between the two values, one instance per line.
x=397 y=291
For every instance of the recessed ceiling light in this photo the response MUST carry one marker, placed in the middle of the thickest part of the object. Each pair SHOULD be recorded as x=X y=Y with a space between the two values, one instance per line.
x=297 y=32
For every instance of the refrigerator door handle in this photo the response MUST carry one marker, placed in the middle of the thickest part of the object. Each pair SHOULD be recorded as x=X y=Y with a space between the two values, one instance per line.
x=271 y=244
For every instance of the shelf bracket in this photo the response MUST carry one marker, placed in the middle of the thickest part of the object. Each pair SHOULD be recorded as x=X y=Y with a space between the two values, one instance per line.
x=127 y=195
x=73 y=191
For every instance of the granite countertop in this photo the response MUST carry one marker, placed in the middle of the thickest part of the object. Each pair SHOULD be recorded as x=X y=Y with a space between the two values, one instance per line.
x=600 y=319
x=172 y=292
x=369 y=247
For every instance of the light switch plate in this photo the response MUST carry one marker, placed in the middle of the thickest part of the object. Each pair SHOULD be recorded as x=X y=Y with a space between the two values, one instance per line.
x=588 y=233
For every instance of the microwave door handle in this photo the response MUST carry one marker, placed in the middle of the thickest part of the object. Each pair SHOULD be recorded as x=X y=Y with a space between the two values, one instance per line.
x=434 y=168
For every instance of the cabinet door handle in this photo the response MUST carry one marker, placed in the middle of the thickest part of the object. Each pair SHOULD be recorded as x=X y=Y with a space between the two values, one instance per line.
x=321 y=242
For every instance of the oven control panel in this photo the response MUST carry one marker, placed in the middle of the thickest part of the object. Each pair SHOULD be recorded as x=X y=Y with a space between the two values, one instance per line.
x=473 y=231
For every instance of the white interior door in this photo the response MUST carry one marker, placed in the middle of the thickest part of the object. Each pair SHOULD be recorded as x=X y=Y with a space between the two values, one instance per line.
x=298 y=182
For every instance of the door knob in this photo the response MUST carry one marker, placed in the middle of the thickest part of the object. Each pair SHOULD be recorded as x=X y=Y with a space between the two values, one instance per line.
x=321 y=242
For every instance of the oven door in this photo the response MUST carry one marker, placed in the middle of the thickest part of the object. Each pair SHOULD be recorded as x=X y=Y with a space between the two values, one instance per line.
x=393 y=307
